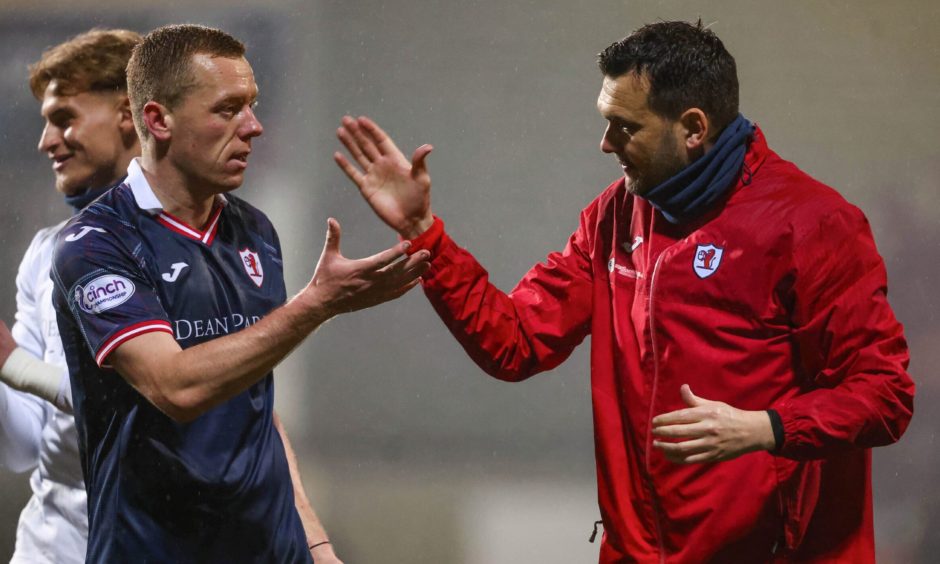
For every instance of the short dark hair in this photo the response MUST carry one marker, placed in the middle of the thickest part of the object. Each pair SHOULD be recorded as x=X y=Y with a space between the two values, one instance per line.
x=93 y=61
x=160 y=68
x=687 y=67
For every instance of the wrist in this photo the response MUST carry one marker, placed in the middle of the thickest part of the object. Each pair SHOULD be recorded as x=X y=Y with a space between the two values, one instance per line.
x=321 y=548
x=764 y=431
x=312 y=307
x=416 y=228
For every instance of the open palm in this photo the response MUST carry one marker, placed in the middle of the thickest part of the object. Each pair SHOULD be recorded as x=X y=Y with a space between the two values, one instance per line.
x=398 y=191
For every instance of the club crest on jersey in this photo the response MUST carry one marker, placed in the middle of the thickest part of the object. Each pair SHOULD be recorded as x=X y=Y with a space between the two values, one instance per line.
x=104 y=293
x=707 y=259
x=252 y=263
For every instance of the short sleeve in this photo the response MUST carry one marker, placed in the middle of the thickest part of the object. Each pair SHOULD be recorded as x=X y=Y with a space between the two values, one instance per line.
x=100 y=279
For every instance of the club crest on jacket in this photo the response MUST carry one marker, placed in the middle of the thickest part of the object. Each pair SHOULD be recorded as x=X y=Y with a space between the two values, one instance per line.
x=707 y=259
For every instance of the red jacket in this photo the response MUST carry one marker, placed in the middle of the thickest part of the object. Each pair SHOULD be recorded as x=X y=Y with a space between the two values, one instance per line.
x=777 y=299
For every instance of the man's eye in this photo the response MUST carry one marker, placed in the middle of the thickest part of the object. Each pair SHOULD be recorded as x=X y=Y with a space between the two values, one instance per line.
x=626 y=131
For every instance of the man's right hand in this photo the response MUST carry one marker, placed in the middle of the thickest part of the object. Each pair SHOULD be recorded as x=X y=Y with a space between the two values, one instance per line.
x=342 y=285
x=399 y=191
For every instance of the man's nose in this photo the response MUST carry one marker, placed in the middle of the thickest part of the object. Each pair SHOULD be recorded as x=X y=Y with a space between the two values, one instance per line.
x=251 y=127
x=51 y=137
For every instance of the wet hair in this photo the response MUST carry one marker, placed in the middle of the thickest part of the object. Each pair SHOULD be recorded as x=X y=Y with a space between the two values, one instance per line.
x=93 y=61
x=687 y=67
x=160 y=68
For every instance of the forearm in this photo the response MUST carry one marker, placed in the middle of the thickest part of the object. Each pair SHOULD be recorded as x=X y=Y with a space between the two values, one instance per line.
x=510 y=336
x=184 y=384
x=865 y=411
x=24 y=372
x=317 y=538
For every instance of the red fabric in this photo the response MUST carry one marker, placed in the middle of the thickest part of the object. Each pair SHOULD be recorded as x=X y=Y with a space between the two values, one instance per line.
x=794 y=317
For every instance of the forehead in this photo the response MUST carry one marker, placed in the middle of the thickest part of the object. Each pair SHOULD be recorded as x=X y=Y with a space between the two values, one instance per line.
x=53 y=100
x=625 y=94
x=222 y=76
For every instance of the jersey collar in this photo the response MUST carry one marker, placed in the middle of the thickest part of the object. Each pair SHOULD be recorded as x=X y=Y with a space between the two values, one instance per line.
x=148 y=202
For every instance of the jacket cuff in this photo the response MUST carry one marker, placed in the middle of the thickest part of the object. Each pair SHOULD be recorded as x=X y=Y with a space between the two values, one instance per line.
x=776 y=423
x=430 y=239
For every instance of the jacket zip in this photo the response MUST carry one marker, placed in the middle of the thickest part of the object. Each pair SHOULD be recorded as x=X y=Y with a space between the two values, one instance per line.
x=657 y=512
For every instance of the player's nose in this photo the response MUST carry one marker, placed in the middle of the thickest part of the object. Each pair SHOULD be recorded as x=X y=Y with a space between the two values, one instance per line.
x=251 y=126
x=49 y=139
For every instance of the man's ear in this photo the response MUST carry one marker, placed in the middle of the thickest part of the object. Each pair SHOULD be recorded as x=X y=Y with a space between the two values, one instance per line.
x=158 y=120
x=126 y=120
x=696 y=128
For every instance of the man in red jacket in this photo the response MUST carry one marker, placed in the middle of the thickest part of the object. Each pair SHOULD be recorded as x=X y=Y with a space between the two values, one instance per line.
x=713 y=269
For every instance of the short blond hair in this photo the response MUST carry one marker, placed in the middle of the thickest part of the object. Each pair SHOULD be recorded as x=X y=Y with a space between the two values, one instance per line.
x=89 y=62
x=160 y=68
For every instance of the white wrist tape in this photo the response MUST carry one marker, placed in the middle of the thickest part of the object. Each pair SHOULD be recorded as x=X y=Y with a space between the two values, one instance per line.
x=24 y=372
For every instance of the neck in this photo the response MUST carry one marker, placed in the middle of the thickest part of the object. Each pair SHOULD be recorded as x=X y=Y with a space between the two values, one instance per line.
x=81 y=199
x=177 y=194
x=695 y=189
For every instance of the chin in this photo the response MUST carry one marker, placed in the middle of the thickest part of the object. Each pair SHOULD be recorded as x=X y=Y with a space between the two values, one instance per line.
x=230 y=183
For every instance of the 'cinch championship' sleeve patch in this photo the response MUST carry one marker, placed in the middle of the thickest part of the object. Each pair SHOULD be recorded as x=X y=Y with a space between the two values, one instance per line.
x=103 y=293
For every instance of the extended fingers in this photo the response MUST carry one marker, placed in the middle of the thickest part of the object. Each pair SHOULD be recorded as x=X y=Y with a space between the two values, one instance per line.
x=380 y=260
x=687 y=452
x=378 y=136
x=348 y=139
x=362 y=140
x=406 y=270
x=679 y=431
x=347 y=167
x=687 y=415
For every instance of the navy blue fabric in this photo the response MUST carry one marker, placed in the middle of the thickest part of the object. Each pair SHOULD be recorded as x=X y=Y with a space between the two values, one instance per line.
x=78 y=202
x=694 y=189
x=213 y=490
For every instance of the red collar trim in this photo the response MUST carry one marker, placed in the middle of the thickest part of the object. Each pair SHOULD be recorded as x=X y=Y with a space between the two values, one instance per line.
x=177 y=225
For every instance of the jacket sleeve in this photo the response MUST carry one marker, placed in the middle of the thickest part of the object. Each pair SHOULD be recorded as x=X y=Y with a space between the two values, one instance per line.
x=534 y=327
x=851 y=353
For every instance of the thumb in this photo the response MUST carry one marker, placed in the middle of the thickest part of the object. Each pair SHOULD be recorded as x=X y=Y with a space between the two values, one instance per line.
x=418 y=160
x=333 y=232
x=689 y=398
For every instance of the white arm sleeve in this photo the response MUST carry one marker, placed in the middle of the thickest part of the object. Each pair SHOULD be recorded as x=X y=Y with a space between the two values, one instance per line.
x=22 y=417
x=24 y=372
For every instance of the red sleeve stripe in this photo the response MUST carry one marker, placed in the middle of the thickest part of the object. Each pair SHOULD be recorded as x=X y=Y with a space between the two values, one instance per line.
x=129 y=333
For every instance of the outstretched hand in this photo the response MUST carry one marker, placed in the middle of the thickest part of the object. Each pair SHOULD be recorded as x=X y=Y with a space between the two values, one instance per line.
x=345 y=285
x=399 y=191
x=713 y=431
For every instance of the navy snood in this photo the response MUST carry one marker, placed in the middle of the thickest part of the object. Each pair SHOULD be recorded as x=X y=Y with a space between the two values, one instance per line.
x=694 y=189
x=78 y=202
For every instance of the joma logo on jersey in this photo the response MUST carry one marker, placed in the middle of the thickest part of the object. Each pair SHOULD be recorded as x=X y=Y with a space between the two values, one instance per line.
x=707 y=259
x=104 y=293
x=252 y=263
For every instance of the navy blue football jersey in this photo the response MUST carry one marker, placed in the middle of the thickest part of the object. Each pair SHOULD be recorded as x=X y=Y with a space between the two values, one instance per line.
x=216 y=489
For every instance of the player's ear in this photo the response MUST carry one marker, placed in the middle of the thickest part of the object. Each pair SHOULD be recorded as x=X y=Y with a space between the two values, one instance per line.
x=157 y=120
x=126 y=119
x=696 y=128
